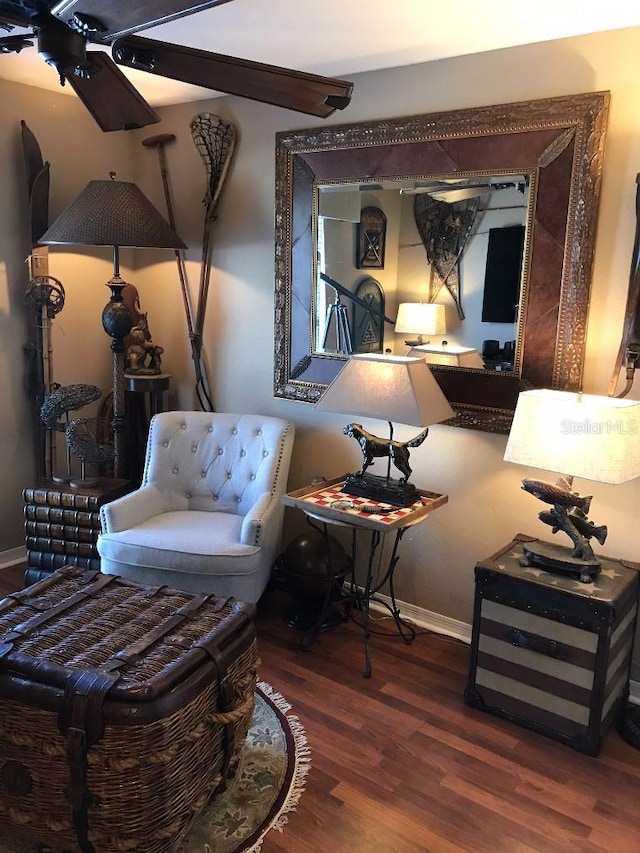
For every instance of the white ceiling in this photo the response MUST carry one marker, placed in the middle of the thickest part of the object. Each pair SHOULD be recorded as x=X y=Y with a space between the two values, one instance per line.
x=340 y=38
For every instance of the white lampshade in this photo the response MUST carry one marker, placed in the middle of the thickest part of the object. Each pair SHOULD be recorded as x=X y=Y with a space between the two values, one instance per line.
x=421 y=318
x=580 y=435
x=388 y=387
x=450 y=355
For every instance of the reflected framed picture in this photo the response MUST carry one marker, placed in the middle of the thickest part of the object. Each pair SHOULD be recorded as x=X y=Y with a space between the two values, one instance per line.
x=372 y=233
x=368 y=316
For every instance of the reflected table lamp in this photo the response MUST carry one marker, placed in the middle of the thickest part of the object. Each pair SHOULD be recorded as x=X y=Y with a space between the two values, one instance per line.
x=579 y=435
x=114 y=213
x=420 y=319
x=391 y=388
x=449 y=355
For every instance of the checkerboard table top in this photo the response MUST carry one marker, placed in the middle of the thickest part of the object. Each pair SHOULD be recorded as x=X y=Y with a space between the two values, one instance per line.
x=317 y=500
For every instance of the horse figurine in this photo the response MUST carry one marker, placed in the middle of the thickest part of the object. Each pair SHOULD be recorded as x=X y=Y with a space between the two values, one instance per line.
x=373 y=447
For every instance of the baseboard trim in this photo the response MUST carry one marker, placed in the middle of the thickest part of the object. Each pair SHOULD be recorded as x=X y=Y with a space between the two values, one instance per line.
x=427 y=619
x=12 y=557
x=439 y=624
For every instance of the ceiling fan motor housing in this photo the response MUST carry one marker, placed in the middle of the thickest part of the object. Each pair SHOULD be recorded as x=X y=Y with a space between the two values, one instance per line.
x=61 y=47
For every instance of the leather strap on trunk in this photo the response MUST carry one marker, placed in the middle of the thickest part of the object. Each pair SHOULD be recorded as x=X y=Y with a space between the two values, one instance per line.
x=224 y=649
x=50 y=613
x=81 y=718
x=81 y=721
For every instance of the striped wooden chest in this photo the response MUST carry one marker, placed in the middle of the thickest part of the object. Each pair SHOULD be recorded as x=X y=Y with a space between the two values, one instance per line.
x=550 y=652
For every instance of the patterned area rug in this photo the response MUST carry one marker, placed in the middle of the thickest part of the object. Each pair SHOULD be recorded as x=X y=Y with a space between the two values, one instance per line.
x=268 y=784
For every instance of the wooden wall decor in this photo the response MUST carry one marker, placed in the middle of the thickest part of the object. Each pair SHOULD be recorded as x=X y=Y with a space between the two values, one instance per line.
x=368 y=322
x=372 y=234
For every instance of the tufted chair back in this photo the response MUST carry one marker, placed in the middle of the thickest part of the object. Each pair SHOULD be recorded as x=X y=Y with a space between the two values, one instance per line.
x=215 y=462
x=208 y=514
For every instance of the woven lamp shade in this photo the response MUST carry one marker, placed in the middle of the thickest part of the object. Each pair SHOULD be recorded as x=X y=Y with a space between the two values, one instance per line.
x=112 y=213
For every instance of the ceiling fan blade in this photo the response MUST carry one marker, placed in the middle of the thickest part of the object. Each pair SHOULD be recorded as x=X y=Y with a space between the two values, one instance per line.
x=23 y=13
x=119 y=17
x=110 y=98
x=451 y=196
x=14 y=44
x=9 y=18
x=294 y=90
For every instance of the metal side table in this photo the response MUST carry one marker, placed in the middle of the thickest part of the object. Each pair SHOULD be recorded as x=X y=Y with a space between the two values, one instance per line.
x=325 y=504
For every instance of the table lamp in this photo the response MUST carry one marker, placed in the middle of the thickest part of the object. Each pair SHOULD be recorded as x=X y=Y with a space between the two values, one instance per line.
x=450 y=355
x=114 y=213
x=387 y=387
x=579 y=435
x=420 y=318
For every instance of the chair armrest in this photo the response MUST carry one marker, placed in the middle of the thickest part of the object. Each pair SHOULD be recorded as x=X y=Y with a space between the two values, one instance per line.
x=258 y=518
x=131 y=509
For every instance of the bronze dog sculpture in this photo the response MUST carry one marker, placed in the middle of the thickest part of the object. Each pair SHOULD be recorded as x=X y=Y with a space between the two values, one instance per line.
x=373 y=447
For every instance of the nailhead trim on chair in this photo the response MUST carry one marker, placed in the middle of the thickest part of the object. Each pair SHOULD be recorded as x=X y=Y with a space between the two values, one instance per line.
x=234 y=431
x=278 y=470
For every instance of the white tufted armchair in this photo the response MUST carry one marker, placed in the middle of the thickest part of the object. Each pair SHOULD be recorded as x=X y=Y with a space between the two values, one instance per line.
x=208 y=515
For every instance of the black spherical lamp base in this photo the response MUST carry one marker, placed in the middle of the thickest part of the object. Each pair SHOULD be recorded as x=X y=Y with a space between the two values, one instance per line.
x=116 y=317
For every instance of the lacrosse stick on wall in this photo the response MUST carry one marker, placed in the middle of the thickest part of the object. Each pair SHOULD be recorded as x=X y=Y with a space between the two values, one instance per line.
x=215 y=140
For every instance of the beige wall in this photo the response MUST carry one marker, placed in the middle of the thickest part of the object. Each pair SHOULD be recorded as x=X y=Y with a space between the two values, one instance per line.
x=78 y=152
x=486 y=505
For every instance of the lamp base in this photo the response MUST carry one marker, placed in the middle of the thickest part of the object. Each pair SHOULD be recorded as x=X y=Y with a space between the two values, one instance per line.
x=382 y=489
x=83 y=483
x=557 y=558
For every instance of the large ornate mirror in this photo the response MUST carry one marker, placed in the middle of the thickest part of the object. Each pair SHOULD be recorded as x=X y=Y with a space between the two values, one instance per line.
x=539 y=160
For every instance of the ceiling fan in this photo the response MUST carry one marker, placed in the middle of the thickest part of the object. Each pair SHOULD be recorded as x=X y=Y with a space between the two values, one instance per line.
x=63 y=30
x=451 y=190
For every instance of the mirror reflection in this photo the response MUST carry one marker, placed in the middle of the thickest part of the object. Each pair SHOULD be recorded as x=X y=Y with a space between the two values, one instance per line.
x=434 y=264
x=329 y=301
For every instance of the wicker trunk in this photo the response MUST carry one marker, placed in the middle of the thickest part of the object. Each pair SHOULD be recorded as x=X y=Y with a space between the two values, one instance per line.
x=123 y=710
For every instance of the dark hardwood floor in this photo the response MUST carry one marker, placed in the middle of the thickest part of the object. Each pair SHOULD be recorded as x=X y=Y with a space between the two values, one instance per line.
x=401 y=765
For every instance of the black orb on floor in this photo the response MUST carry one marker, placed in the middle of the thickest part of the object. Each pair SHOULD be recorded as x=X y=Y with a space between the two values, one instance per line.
x=629 y=725
x=313 y=567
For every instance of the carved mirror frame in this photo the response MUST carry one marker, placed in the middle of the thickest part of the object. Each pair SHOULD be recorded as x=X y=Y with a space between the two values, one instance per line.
x=557 y=142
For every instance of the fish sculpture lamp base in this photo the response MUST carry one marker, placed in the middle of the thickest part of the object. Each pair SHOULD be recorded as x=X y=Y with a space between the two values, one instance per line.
x=558 y=558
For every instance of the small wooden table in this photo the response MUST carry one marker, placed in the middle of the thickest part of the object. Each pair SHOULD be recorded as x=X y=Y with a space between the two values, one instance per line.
x=318 y=502
x=154 y=384
x=144 y=398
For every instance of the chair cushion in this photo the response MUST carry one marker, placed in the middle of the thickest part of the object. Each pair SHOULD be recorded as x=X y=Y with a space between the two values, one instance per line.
x=186 y=541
